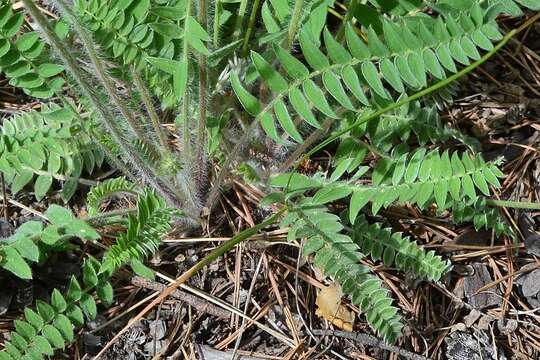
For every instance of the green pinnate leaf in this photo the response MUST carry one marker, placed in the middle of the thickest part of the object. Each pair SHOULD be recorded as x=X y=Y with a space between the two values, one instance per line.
x=53 y=336
x=88 y=306
x=12 y=261
x=142 y=270
x=45 y=310
x=43 y=346
x=105 y=293
x=33 y=318
x=25 y=329
x=248 y=101
x=58 y=301
x=90 y=278
x=64 y=326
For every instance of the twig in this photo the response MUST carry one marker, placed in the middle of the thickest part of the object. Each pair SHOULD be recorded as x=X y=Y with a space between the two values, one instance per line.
x=199 y=304
x=369 y=340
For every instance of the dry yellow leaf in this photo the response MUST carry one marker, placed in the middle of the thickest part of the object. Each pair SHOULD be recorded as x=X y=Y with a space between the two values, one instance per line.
x=330 y=307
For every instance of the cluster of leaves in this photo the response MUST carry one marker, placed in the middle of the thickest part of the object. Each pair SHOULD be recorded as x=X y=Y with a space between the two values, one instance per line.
x=143 y=235
x=24 y=59
x=403 y=56
x=33 y=242
x=50 y=326
x=136 y=33
x=338 y=256
x=483 y=217
x=396 y=250
x=50 y=144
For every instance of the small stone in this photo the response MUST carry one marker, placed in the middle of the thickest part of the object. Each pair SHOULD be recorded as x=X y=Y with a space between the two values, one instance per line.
x=475 y=282
x=531 y=283
x=507 y=326
x=158 y=329
x=532 y=244
x=92 y=343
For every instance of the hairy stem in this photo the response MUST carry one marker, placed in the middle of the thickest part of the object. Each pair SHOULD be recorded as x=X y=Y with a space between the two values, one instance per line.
x=147 y=100
x=185 y=99
x=200 y=151
x=239 y=19
x=101 y=72
x=251 y=25
x=217 y=14
x=88 y=91
x=295 y=22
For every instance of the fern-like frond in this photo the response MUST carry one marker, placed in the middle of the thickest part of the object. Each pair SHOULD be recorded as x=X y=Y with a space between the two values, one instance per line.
x=404 y=57
x=424 y=123
x=46 y=145
x=24 y=57
x=338 y=256
x=143 y=235
x=395 y=249
x=107 y=188
x=418 y=178
x=482 y=216
x=49 y=327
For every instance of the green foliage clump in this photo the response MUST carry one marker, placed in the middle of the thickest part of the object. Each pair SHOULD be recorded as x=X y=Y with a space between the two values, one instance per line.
x=354 y=86
x=38 y=147
x=24 y=58
x=51 y=326
x=32 y=242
